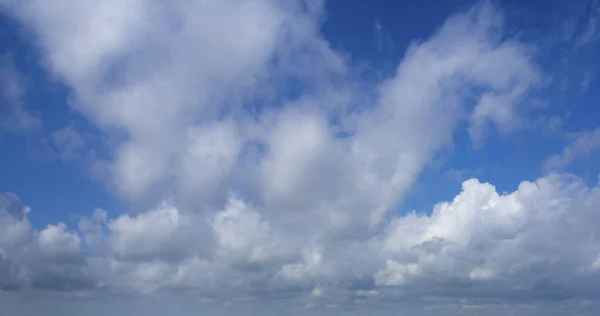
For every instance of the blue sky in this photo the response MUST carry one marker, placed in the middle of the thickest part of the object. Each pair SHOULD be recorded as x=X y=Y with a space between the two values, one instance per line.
x=256 y=153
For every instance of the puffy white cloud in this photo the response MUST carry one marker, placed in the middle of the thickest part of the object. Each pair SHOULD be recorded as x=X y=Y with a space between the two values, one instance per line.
x=238 y=228
x=56 y=243
x=50 y=258
x=148 y=234
x=540 y=240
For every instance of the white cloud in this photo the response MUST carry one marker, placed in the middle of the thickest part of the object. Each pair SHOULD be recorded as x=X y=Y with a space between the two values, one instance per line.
x=146 y=235
x=164 y=84
x=243 y=237
x=56 y=242
x=582 y=145
x=541 y=232
x=47 y=259
x=541 y=237
x=153 y=70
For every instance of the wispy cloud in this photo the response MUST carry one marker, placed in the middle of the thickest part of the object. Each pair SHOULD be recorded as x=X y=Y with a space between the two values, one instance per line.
x=379 y=35
x=582 y=145
x=14 y=116
x=590 y=32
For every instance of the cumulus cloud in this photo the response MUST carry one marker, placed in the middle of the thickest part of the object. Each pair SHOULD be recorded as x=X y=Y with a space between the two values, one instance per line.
x=539 y=241
x=244 y=191
x=522 y=241
x=47 y=259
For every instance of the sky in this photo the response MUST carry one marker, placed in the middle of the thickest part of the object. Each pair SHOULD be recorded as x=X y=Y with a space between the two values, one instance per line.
x=267 y=157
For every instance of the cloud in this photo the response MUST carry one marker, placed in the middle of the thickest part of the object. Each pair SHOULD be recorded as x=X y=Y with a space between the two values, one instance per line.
x=585 y=82
x=155 y=92
x=491 y=243
x=378 y=31
x=582 y=145
x=539 y=241
x=14 y=117
x=590 y=33
x=68 y=142
x=384 y=42
x=256 y=176
x=47 y=259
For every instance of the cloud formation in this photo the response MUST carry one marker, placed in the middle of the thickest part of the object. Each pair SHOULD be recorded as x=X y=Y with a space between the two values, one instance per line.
x=538 y=242
x=582 y=145
x=245 y=192
x=46 y=259
x=14 y=117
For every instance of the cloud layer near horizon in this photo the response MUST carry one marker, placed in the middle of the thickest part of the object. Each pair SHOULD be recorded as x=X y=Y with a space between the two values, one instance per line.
x=244 y=191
